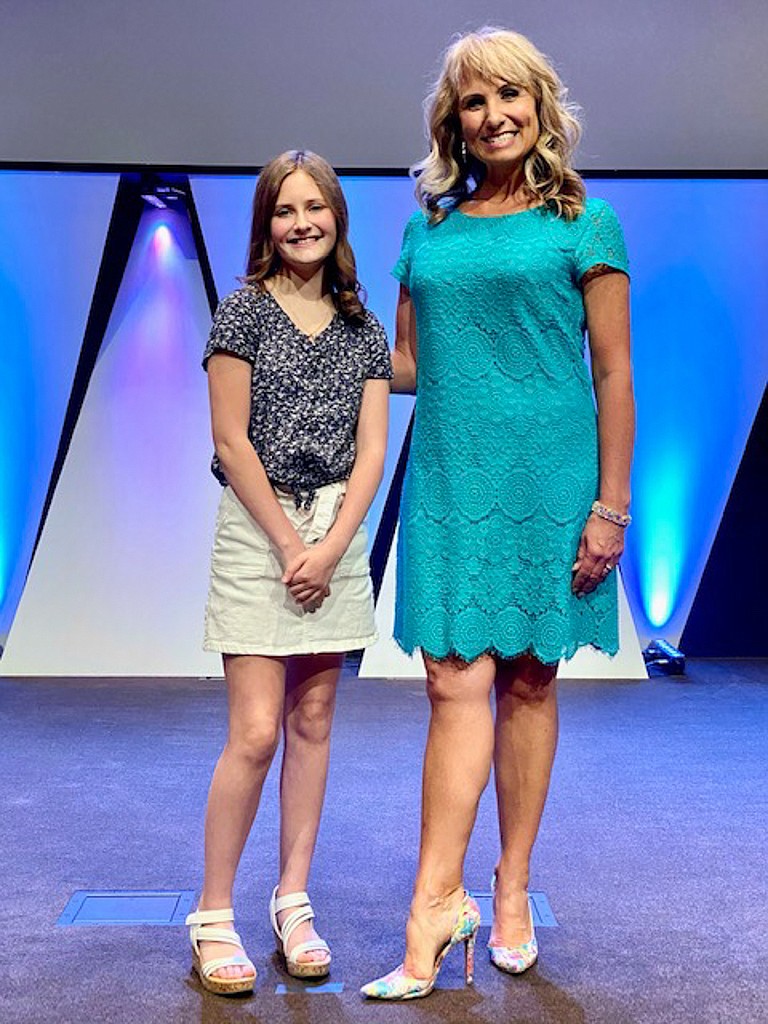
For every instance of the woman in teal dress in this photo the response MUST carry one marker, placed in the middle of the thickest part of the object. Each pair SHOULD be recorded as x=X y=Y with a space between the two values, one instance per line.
x=517 y=490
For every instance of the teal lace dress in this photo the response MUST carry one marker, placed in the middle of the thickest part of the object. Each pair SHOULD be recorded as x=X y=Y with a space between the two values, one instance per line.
x=503 y=465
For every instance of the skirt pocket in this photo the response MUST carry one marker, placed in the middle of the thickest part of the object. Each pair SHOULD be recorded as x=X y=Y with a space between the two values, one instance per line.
x=354 y=561
x=240 y=546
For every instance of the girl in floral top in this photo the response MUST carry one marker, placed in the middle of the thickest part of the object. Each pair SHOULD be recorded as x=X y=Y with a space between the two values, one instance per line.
x=298 y=374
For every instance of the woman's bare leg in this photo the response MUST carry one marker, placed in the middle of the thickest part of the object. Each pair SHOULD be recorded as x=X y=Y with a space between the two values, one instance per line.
x=256 y=687
x=526 y=739
x=457 y=764
x=310 y=699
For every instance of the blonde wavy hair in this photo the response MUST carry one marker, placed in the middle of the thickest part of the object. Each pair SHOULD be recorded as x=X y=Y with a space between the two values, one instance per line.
x=446 y=178
x=340 y=267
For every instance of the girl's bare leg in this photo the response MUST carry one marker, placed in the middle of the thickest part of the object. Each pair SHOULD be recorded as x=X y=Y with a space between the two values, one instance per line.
x=310 y=699
x=256 y=687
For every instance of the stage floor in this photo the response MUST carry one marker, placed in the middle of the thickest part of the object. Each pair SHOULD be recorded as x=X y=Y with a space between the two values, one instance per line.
x=652 y=855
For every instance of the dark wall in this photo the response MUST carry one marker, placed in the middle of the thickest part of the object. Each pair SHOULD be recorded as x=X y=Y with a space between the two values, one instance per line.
x=729 y=618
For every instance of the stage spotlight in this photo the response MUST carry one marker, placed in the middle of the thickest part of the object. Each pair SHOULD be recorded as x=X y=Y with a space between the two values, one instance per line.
x=162 y=196
x=662 y=659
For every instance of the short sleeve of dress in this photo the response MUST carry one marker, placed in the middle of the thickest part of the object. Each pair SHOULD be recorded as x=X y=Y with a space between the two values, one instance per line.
x=602 y=240
x=235 y=328
x=379 y=361
x=402 y=269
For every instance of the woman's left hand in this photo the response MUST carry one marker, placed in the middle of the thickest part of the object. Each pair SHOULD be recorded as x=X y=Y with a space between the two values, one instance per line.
x=600 y=548
x=308 y=575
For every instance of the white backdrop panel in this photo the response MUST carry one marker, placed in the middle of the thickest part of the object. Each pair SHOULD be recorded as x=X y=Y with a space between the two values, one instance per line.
x=118 y=584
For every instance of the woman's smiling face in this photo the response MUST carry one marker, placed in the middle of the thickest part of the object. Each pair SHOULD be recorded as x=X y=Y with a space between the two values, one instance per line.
x=499 y=122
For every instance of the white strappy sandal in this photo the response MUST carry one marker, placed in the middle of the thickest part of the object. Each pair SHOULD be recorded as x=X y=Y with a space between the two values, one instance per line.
x=205 y=971
x=297 y=968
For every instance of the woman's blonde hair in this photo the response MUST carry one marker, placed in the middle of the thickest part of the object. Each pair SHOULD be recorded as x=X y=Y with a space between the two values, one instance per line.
x=340 y=268
x=443 y=178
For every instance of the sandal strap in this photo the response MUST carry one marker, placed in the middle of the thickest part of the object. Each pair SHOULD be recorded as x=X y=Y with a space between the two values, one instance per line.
x=292 y=899
x=216 y=935
x=292 y=922
x=210 y=966
x=318 y=945
x=302 y=913
x=210 y=916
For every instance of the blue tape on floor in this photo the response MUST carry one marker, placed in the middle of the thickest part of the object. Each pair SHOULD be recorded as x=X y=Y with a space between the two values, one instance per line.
x=540 y=909
x=127 y=907
x=543 y=916
x=307 y=988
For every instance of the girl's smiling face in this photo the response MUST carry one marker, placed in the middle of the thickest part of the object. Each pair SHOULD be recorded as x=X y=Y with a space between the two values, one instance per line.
x=303 y=226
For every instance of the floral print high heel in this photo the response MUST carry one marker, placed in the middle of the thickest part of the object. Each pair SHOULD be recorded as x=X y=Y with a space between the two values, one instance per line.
x=515 y=959
x=399 y=985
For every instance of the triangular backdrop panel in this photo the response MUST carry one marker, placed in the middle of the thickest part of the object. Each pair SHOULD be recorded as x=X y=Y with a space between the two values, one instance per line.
x=223 y=204
x=52 y=233
x=729 y=618
x=119 y=580
x=700 y=309
x=385 y=660
x=378 y=210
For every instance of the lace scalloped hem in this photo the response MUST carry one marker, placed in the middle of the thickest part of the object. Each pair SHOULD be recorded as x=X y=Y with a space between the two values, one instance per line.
x=507 y=654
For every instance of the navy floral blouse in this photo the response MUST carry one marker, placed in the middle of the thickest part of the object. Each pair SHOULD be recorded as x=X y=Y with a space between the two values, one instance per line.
x=305 y=391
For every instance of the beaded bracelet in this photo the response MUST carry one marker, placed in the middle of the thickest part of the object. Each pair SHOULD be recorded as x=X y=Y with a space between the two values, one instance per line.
x=611 y=514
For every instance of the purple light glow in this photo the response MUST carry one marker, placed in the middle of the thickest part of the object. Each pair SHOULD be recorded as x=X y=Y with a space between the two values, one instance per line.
x=162 y=240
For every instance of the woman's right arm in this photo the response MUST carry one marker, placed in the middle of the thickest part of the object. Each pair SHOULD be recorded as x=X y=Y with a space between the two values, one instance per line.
x=406 y=346
x=229 y=386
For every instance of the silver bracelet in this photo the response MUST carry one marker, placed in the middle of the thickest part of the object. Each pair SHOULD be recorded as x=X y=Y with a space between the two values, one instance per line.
x=617 y=518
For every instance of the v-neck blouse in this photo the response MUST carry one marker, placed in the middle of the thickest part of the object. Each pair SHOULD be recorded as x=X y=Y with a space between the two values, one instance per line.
x=305 y=391
x=309 y=335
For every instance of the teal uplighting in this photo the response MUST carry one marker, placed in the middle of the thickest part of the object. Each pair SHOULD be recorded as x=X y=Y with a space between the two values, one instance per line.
x=661 y=517
x=701 y=363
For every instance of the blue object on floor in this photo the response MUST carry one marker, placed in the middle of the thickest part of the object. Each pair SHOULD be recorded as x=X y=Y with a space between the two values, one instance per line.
x=540 y=909
x=127 y=907
x=293 y=988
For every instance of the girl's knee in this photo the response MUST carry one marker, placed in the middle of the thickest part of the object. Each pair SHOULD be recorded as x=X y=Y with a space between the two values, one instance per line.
x=256 y=741
x=311 y=720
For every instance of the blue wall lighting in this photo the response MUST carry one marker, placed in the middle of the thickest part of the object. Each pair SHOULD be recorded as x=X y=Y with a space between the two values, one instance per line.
x=699 y=309
x=52 y=233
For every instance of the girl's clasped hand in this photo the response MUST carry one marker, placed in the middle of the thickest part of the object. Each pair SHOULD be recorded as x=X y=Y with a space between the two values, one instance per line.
x=308 y=574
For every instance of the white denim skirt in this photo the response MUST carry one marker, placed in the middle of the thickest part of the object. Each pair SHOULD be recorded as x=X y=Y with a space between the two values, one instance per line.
x=251 y=611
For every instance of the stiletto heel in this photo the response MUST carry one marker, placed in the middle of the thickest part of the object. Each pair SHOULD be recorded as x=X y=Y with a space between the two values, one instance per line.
x=515 y=959
x=399 y=985
x=469 y=959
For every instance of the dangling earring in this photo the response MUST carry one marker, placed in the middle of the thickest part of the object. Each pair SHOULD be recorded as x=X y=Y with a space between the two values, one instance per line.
x=463 y=151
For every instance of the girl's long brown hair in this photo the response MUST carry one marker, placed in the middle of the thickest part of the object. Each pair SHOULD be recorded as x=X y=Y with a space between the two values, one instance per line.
x=340 y=268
